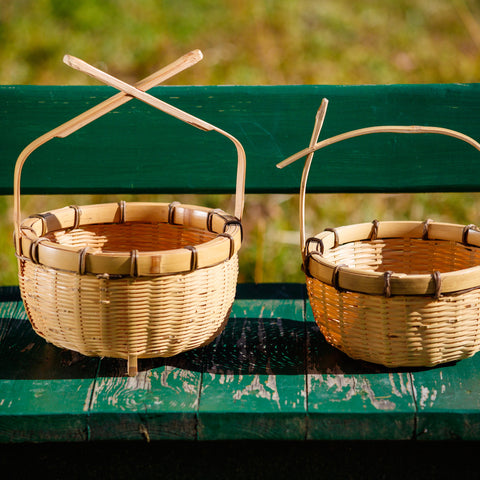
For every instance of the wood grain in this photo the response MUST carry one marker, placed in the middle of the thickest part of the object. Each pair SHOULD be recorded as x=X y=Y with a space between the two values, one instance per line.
x=350 y=399
x=254 y=379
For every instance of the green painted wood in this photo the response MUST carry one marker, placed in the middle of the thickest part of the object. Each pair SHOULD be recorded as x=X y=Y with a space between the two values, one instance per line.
x=159 y=403
x=270 y=375
x=254 y=378
x=9 y=308
x=354 y=400
x=139 y=149
x=448 y=401
x=44 y=391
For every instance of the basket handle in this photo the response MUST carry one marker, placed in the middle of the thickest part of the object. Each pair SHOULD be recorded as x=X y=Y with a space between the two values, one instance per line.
x=92 y=114
x=180 y=114
x=314 y=146
x=88 y=116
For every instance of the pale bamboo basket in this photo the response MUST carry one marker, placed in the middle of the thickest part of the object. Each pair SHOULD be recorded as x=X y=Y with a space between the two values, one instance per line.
x=129 y=280
x=400 y=294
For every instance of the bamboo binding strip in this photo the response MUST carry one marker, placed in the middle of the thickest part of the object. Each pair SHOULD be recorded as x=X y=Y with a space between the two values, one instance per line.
x=130 y=279
x=394 y=293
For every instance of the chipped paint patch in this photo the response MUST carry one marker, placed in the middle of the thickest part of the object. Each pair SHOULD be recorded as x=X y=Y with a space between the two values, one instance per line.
x=268 y=391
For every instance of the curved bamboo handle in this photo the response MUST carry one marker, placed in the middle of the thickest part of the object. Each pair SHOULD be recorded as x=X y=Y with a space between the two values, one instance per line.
x=180 y=114
x=344 y=136
x=88 y=116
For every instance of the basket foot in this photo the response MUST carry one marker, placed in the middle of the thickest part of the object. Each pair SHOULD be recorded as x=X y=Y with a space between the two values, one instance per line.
x=132 y=365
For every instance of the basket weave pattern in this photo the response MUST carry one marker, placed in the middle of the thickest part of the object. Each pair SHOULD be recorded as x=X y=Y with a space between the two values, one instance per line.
x=405 y=255
x=395 y=293
x=125 y=237
x=404 y=330
x=129 y=280
x=124 y=317
x=135 y=307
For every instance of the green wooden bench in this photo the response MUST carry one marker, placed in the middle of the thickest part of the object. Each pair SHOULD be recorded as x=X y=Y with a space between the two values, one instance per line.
x=270 y=375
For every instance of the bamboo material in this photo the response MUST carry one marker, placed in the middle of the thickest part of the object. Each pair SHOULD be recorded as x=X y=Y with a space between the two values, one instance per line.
x=319 y=119
x=128 y=280
x=378 y=129
x=165 y=107
x=394 y=293
x=89 y=116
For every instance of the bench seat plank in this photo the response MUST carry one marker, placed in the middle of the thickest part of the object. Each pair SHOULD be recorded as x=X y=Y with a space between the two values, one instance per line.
x=159 y=403
x=440 y=403
x=269 y=375
x=448 y=401
x=350 y=399
x=254 y=379
x=44 y=391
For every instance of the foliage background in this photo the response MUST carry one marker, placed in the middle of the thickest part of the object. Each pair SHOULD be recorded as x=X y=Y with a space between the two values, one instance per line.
x=252 y=42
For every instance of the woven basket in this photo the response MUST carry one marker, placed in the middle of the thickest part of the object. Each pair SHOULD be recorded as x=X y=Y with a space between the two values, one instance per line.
x=401 y=294
x=128 y=280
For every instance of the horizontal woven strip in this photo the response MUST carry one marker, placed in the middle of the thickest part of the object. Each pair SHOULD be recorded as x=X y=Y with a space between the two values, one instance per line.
x=356 y=257
x=123 y=317
x=102 y=239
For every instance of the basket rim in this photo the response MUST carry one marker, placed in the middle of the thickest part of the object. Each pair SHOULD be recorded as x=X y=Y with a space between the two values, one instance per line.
x=389 y=283
x=35 y=247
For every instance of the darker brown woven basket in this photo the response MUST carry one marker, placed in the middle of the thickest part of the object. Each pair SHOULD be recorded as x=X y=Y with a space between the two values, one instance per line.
x=393 y=293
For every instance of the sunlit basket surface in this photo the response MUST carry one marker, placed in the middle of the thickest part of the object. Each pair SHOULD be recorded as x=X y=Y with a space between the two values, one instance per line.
x=129 y=280
x=399 y=294
x=142 y=287
x=398 y=301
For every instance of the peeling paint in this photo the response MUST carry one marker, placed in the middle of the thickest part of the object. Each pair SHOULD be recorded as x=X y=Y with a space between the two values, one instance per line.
x=377 y=402
x=424 y=393
x=90 y=398
x=348 y=386
x=260 y=390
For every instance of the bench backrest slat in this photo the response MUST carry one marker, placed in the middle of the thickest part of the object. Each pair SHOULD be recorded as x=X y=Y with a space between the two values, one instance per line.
x=137 y=149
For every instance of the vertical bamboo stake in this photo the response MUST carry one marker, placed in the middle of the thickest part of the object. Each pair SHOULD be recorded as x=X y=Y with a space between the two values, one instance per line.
x=319 y=118
x=132 y=365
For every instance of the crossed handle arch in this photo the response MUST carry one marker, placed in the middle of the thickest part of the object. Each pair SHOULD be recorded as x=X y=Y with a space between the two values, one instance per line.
x=127 y=92
x=165 y=107
x=314 y=146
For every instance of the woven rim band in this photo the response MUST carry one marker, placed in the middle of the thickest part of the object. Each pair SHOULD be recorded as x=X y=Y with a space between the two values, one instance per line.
x=346 y=278
x=223 y=240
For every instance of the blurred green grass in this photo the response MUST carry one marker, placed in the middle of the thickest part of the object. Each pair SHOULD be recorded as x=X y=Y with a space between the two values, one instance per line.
x=251 y=42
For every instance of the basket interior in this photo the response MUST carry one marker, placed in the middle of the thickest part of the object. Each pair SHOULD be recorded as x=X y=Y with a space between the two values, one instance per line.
x=405 y=255
x=144 y=237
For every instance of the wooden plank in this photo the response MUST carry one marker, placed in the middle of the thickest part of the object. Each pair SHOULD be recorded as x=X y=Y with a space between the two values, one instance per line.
x=272 y=122
x=270 y=375
x=159 y=403
x=44 y=390
x=254 y=379
x=353 y=400
x=448 y=401
x=50 y=394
